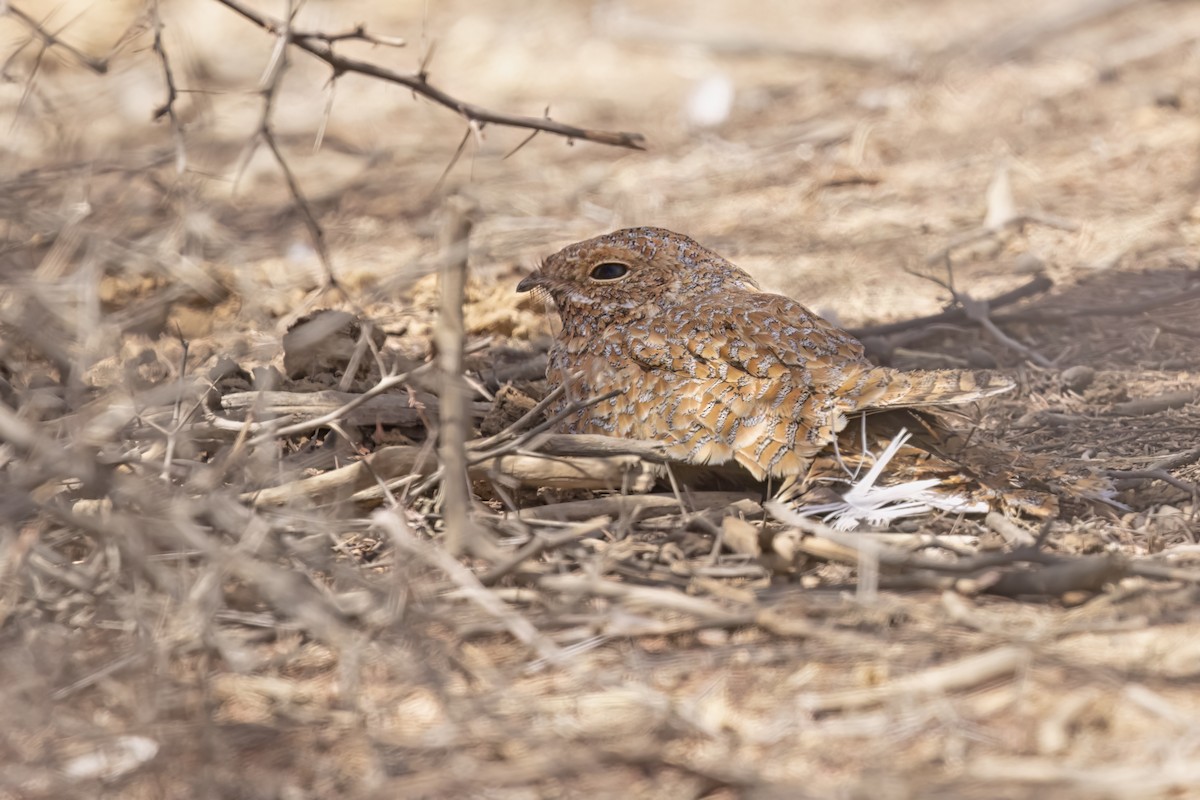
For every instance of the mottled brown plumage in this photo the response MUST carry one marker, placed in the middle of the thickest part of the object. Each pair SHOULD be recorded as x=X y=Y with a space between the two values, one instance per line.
x=707 y=362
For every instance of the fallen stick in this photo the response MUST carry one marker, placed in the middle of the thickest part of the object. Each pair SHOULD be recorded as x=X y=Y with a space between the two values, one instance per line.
x=361 y=481
x=1152 y=405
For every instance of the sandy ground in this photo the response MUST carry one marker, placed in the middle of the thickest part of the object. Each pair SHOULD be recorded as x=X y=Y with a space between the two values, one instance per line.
x=857 y=157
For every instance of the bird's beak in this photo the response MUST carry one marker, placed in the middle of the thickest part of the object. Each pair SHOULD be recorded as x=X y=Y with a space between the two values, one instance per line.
x=534 y=280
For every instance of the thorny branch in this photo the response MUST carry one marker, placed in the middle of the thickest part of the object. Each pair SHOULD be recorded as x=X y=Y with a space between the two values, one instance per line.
x=266 y=135
x=320 y=46
x=168 y=107
x=97 y=65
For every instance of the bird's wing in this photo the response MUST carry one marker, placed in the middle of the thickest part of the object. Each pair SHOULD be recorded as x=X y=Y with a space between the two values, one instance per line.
x=768 y=383
x=753 y=381
x=769 y=335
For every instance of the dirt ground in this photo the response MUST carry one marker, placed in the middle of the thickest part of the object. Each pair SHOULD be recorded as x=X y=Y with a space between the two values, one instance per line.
x=225 y=573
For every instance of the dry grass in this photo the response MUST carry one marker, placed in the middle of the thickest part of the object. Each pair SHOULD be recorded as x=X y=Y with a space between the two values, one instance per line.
x=223 y=569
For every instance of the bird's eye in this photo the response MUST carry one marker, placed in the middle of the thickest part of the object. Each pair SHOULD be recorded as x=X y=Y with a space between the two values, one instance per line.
x=609 y=271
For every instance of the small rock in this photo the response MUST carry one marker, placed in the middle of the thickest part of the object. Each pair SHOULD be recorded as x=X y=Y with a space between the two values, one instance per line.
x=1168 y=98
x=1078 y=377
x=324 y=341
x=979 y=358
x=510 y=405
x=880 y=349
x=1029 y=264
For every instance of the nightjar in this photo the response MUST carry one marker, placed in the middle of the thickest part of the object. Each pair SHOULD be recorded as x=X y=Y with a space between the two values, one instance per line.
x=709 y=364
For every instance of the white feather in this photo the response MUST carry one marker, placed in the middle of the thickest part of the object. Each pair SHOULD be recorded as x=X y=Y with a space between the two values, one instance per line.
x=880 y=505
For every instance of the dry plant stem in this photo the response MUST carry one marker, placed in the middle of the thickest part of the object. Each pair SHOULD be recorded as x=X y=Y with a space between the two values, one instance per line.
x=97 y=675
x=270 y=86
x=419 y=83
x=542 y=543
x=517 y=771
x=560 y=472
x=359 y=33
x=526 y=140
x=965 y=673
x=1178 y=460
x=1013 y=533
x=534 y=368
x=533 y=433
x=168 y=107
x=315 y=231
x=385 y=383
x=636 y=507
x=1137 y=475
x=1081 y=573
x=20 y=434
x=593 y=445
x=404 y=465
x=458 y=151
x=643 y=597
x=528 y=417
x=99 y=66
x=626 y=628
x=496 y=454
x=397 y=530
x=846 y=547
x=1145 y=406
x=448 y=338
x=1179 y=331
x=1154 y=570
x=977 y=312
x=178 y=419
x=1001 y=574
x=356 y=357
x=494 y=458
x=930 y=359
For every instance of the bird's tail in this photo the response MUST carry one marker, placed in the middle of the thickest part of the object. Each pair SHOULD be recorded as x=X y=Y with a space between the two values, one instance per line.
x=1025 y=484
x=882 y=387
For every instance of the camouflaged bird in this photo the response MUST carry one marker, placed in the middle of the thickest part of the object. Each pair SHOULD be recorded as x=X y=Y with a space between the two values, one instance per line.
x=706 y=362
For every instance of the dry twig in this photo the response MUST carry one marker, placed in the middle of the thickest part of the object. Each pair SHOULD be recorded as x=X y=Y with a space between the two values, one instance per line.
x=393 y=523
x=321 y=47
x=460 y=531
x=97 y=65
x=965 y=673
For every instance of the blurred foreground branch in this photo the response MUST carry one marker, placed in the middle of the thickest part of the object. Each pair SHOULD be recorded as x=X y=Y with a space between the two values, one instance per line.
x=50 y=39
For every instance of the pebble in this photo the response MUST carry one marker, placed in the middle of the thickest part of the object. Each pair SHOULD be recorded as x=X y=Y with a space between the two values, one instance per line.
x=1078 y=378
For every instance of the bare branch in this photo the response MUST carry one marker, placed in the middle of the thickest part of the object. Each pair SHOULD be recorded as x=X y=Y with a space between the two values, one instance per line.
x=320 y=47
x=168 y=108
x=99 y=66
x=461 y=532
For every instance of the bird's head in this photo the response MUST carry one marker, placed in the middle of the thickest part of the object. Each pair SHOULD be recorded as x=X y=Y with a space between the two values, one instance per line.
x=632 y=273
